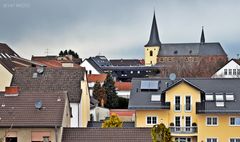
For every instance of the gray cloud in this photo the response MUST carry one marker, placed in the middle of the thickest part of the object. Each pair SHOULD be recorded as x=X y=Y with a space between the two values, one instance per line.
x=115 y=28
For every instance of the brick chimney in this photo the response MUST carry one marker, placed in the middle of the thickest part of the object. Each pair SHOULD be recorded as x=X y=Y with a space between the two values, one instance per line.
x=12 y=91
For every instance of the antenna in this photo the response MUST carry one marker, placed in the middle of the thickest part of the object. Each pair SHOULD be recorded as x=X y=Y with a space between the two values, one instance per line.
x=172 y=76
x=47 y=51
x=38 y=104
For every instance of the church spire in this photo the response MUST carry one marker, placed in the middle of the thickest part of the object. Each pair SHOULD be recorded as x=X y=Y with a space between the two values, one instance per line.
x=154 y=37
x=202 y=40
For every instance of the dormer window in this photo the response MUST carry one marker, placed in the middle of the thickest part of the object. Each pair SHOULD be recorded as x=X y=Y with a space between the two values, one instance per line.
x=229 y=97
x=219 y=98
x=155 y=98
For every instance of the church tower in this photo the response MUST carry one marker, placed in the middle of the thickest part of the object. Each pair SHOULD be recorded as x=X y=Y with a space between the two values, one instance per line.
x=153 y=46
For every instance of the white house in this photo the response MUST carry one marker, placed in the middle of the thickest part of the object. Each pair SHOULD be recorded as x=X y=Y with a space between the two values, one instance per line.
x=229 y=70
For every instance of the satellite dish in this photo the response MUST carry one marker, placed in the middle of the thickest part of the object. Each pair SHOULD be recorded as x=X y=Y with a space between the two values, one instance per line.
x=40 y=70
x=172 y=76
x=38 y=104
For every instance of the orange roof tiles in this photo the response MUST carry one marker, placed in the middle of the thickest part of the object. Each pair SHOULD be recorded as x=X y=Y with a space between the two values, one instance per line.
x=96 y=77
x=123 y=86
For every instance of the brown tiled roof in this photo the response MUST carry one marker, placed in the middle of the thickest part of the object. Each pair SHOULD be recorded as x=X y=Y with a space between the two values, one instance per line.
x=123 y=86
x=96 y=77
x=106 y=135
x=52 y=79
x=20 y=111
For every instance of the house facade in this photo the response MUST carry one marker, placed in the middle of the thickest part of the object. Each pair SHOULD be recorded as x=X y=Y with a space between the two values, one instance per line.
x=28 y=116
x=70 y=79
x=195 y=110
x=230 y=70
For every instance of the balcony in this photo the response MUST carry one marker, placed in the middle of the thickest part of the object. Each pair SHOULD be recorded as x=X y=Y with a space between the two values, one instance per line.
x=183 y=130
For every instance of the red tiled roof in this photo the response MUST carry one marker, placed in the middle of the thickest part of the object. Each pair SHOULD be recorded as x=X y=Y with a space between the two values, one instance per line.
x=123 y=86
x=96 y=77
x=122 y=112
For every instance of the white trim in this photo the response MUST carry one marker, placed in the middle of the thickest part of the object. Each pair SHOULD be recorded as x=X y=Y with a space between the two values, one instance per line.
x=212 y=138
x=175 y=120
x=185 y=103
x=175 y=103
x=211 y=125
x=151 y=120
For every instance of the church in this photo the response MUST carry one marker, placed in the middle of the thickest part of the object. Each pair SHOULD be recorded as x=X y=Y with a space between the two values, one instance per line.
x=200 y=59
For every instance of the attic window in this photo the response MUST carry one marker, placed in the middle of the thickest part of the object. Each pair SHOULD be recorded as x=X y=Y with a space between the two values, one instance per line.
x=190 y=52
x=230 y=97
x=3 y=55
x=175 y=52
x=219 y=97
x=7 y=55
x=155 y=98
x=209 y=97
x=220 y=104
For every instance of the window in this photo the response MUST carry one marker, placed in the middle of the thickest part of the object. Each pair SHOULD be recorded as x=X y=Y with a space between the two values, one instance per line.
x=182 y=139
x=219 y=97
x=238 y=71
x=211 y=139
x=230 y=97
x=90 y=71
x=178 y=123
x=220 y=104
x=177 y=103
x=230 y=71
x=188 y=123
x=11 y=139
x=169 y=59
x=138 y=72
x=212 y=121
x=41 y=136
x=235 y=121
x=151 y=53
x=188 y=103
x=155 y=98
x=234 y=139
x=131 y=72
x=209 y=97
x=234 y=72
x=225 y=71
x=151 y=120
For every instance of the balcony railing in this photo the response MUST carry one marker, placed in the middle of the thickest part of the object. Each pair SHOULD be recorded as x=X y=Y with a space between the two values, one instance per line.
x=183 y=130
x=187 y=107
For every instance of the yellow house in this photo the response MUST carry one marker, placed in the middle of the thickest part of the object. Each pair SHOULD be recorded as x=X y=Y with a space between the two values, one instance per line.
x=31 y=117
x=195 y=110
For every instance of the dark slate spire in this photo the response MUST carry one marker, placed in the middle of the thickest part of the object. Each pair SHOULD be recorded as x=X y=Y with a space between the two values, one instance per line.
x=202 y=40
x=154 y=38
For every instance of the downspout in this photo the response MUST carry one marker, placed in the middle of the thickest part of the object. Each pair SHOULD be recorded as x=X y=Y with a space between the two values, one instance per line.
x=56 y=135
x=78 y=113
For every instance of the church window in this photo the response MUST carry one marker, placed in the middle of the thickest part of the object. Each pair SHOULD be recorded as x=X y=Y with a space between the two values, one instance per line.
x=151 y=53
x=190 y=52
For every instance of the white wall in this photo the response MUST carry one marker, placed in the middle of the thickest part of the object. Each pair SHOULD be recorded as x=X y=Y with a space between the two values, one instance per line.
x=231 y=65
x=75 y=116
x=5 y=78
x=100 y=113
x=123 y=94
x=89 y=67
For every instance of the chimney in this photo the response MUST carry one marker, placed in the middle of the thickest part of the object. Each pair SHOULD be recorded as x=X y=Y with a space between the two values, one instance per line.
x=12 y=91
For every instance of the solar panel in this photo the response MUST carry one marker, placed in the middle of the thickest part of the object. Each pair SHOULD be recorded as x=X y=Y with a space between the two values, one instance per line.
x=149 y=85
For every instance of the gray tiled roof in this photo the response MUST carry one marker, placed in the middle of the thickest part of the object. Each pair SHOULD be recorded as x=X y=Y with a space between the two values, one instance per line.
x=52 y=79
x=20 y=111
x=98 y=124
x=106 y=135
x=142 y=99
x=178 y=49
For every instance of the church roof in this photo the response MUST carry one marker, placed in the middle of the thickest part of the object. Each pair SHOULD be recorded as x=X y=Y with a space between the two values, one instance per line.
x=183 y=49
x=154 y=37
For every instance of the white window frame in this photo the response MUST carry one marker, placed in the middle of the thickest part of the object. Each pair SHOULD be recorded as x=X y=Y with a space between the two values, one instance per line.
x=230 y=121
x=212 y=125
x=155 y=98
x=225 y=71
x=229 y=97
x=219 y=97
x=211 y=96
x=185 y=105
x=211 y=139
x=234 y=138
x=151 y=119
x=175 y=104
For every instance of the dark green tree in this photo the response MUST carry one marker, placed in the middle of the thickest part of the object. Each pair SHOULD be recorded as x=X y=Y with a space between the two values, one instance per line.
x=160 y=133
x=69 y=52
x=112 y=98
x=61 y=53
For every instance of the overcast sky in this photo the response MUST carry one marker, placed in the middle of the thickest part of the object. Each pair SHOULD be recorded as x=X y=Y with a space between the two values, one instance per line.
x=115 y=28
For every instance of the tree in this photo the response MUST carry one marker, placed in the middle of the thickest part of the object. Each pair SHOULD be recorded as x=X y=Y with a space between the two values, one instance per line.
x=112 y=122
x=160 y=133
x=99 y=94
x=68 y=52
x=112 y=98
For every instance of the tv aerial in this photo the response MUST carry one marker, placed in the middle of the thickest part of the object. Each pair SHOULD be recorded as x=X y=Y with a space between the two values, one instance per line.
x=38 y=104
